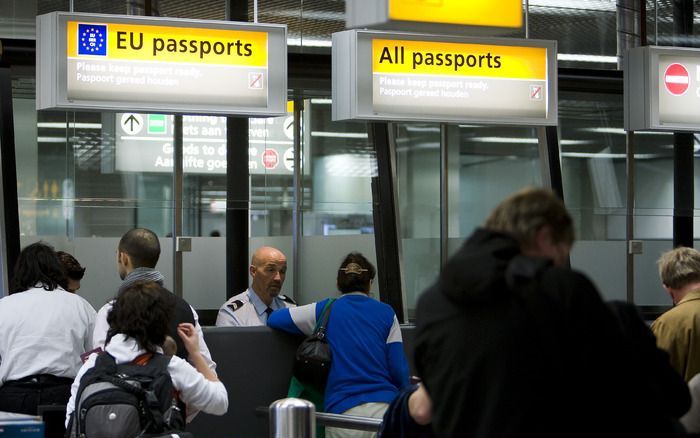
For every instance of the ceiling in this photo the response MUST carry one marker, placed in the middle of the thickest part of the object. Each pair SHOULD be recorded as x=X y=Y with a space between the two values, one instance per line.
x=580 y=26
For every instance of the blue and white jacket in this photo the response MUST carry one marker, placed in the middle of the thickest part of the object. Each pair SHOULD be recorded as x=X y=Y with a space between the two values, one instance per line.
x=369 y=364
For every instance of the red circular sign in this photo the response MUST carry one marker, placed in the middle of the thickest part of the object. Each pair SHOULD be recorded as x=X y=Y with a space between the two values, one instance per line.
x=676 y=79
x=270 y=159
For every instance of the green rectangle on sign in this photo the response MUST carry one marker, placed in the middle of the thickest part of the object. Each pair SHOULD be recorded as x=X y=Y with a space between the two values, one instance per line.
x=156 y=124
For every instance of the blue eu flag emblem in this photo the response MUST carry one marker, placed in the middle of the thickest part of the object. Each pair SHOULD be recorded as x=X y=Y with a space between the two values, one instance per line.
x=92 y=39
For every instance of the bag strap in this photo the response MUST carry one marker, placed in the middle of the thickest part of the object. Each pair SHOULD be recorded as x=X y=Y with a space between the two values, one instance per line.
x=323 y=322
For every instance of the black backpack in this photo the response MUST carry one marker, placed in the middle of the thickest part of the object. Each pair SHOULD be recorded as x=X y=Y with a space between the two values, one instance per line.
x=127 y=400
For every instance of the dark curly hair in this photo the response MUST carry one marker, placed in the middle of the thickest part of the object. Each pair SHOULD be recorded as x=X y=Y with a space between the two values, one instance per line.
x=142 y=311
x=355 y=273
x=71 y=266
x=38 y=264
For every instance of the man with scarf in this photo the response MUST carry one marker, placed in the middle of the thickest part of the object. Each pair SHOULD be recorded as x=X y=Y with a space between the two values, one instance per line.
x=137 y=256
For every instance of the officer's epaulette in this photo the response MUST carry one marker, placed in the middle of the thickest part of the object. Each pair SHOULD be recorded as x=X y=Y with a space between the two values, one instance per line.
x=235 y=305
x=287 y=299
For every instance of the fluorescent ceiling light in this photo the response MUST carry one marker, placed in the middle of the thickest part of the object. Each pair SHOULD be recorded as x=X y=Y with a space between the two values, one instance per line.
x=586 y=58
x=282 y=142
x=622 y=131
x=73 y=125
x=606 y=155
x=307 y=14
x=414 y=128
x=339 y=134
x=51 y=139
x=321 y=101
x=308 y=42
x=520 y=140
x=588 y=5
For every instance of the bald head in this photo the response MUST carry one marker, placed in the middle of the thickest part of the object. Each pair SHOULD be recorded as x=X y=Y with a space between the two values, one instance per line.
x=268 y=268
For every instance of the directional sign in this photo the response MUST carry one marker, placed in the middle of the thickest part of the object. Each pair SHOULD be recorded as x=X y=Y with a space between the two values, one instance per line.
x=204 y=147
x=676 y=79
x=662 y=89
x=148 y=64
x=438 y=78
x=132 y=124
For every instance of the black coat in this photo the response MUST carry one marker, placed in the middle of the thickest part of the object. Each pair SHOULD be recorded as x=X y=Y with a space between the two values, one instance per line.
x=511 y=346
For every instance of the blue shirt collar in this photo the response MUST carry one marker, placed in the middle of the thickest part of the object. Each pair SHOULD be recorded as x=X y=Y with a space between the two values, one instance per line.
x=260 y=307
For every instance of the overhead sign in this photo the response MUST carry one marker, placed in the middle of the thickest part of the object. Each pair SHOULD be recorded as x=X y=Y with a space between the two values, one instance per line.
x=481 y=16
x=413 y=77
x=107 y=62
x=662 y=89
x=144 y=143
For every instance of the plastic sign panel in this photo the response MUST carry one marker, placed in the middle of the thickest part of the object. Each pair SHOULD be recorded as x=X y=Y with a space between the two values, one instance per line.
x=107 y=62
x=478 y=16
x=662 y=89
x=144 y=143
x=413 y=77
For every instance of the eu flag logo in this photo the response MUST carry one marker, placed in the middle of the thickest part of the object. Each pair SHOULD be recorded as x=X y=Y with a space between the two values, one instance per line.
x=92 y=39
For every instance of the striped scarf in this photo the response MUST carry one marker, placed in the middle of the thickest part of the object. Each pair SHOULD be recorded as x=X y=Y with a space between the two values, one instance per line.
x=141 y=274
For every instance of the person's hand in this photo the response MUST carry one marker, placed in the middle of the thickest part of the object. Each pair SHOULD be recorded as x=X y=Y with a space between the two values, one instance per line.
x=420 y=406
x=188 y=334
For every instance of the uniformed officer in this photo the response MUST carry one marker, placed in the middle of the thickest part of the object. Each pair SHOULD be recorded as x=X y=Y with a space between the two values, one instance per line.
x=268 y=268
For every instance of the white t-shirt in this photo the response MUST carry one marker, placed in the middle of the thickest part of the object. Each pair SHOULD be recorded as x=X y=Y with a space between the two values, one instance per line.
x=43 y=332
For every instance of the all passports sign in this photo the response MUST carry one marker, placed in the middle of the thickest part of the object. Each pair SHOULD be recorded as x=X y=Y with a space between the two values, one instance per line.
x=414 y=77
x=107 y=62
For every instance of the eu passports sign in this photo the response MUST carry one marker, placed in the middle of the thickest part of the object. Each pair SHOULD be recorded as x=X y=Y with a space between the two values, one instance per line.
x=108 y=62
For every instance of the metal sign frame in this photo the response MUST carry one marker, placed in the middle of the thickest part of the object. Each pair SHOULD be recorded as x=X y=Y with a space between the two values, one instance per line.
x=52 y=67
x=352 y=72
x=642 y=88
x=375 y=14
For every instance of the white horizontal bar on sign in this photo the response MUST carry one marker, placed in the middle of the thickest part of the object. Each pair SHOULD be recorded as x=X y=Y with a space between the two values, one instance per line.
x=339 y=134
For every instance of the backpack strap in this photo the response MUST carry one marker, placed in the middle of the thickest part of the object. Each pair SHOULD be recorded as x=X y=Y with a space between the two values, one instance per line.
x=159 y=364
x=143 y=359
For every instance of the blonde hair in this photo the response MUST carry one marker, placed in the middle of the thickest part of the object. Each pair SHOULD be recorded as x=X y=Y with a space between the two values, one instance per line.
x=679 y=267
x=525 y=212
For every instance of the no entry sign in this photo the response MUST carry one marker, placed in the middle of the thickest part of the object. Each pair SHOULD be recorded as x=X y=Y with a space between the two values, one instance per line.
x=676 y=79
x=270 y=159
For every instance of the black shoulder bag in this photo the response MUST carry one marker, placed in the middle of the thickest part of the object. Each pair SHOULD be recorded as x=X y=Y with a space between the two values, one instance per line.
x=313 y=357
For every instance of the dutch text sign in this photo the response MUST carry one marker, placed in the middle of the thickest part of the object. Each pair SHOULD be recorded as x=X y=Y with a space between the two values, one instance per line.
x=662 y=89
x=141 y=63
x=144 y=143
x=438 y=78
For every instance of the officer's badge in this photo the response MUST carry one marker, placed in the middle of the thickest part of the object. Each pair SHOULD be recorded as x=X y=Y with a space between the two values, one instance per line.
x=235 y=305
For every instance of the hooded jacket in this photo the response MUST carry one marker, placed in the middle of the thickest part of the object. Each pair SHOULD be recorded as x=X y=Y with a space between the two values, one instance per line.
x=511 y=346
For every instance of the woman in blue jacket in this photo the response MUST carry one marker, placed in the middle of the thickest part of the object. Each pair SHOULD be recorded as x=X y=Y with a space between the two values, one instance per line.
x=368 y=366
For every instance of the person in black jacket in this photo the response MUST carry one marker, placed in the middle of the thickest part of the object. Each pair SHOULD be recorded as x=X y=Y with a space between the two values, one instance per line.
x=512 y=343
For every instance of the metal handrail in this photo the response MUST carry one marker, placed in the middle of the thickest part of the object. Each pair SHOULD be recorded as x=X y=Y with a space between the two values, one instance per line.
x=339 y=420
x=349 y=421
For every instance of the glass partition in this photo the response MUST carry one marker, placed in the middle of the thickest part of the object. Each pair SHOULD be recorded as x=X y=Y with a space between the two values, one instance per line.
x=484 y=164
x=336 y=204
